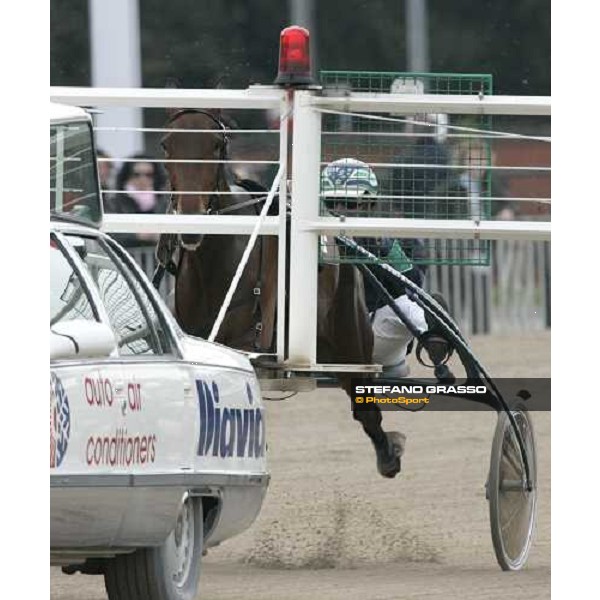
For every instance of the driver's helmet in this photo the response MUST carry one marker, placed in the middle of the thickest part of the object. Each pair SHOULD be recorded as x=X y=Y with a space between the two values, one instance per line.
x=349 y=178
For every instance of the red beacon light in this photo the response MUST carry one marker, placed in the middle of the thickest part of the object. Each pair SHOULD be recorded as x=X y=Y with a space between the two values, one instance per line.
x=294 y=58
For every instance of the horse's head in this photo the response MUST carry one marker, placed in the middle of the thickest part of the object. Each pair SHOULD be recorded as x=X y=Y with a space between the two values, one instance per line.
x=195 y=135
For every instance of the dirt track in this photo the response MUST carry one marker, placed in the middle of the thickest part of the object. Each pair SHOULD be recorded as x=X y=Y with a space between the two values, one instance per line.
x=332 y=528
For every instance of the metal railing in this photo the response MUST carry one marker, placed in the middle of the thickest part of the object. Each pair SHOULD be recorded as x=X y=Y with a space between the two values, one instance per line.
x=511 y=278
x=511 y=295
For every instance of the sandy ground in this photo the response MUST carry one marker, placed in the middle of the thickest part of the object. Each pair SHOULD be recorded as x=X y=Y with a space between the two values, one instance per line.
x=332 y=528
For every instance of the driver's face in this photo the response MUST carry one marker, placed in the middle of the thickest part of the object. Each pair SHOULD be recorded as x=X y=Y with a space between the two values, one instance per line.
x=353 y=207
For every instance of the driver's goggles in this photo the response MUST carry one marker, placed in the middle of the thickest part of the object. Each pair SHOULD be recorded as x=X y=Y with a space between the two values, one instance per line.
x=350 y=203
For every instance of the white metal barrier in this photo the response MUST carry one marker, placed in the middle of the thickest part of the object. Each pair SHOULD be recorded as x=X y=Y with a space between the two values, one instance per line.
x=307 y=225
x=254 y=98
x=512 y=295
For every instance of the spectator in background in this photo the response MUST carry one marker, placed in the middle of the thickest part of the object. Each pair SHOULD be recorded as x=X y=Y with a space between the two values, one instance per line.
x=470 y=189
x=425 y=158
x=106 y=170
x=106 y=175
x=425 y=161
x=502 y=210
x=467 y=196
x=137 y=184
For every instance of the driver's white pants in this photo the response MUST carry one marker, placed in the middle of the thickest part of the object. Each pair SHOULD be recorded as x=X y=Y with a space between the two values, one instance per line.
x=390 y=336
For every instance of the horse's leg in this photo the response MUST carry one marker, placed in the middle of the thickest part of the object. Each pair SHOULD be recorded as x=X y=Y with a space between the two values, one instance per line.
x=389 y=445
x=353 y=337
x=190 y=301
x=181 y=293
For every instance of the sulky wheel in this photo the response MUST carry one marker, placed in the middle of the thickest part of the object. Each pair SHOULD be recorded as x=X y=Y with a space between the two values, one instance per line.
x=513 y=507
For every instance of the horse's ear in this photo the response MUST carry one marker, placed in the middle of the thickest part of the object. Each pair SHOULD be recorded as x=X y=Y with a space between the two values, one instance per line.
x=220 y=82
x=228 y=121
x=217 y=113
x=171 y=83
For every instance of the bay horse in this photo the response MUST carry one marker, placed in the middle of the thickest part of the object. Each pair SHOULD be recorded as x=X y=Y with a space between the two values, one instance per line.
x=205 y=266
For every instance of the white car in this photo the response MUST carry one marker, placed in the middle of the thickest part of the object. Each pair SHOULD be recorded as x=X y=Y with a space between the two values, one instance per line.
x=157 y=439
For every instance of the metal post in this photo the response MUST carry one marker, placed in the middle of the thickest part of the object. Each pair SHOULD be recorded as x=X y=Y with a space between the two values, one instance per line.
x=304 y=255
x=115 y=62
x=284 y=120
x=417 y=36
x=60 y=170
x=303 y=13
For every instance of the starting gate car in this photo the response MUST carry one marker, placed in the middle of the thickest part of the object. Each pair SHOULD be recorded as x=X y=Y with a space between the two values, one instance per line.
x=157 y=439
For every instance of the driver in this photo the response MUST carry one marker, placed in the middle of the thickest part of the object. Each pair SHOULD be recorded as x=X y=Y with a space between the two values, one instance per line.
x=350 y=188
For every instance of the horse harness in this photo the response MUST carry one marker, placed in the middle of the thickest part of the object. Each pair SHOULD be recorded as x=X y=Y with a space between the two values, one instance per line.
x=169 y=244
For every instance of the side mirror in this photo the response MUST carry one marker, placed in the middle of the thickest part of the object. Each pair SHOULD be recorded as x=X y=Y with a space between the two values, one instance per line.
x=80 y=338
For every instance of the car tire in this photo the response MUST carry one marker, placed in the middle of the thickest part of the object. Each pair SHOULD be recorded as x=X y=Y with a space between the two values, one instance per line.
x=168 y=572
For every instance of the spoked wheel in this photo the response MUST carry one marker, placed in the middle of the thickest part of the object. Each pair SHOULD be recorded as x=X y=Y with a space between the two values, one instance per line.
x=513 y=508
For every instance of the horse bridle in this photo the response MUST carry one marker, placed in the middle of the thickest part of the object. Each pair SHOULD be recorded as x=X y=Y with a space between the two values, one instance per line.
x=214 y=210
x=223 y=152
x=213 y=204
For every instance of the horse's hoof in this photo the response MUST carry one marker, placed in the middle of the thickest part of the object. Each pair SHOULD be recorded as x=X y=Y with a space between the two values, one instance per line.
x=388 y=457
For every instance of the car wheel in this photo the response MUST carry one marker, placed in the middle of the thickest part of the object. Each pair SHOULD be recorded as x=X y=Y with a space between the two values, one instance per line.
x=169 y=572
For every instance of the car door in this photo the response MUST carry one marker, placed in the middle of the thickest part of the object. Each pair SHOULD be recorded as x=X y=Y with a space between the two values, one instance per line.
x=157 y=404
x=84 y=418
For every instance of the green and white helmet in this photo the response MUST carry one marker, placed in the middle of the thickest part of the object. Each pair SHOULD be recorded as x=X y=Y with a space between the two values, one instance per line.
x=347 y=178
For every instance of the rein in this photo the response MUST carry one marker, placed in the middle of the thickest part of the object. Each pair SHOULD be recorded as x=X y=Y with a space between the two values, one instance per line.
x=239 y=205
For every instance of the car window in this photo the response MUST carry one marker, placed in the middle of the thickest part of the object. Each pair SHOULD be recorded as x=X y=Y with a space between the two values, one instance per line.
x=146 y=301
x=73 y=179
x=129 y=316
x=68 y=297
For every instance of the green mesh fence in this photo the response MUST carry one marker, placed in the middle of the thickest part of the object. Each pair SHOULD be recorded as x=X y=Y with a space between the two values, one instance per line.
x=425 y=169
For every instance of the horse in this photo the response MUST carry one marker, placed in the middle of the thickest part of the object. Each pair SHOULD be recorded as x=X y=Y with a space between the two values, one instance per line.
x=205 y=266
